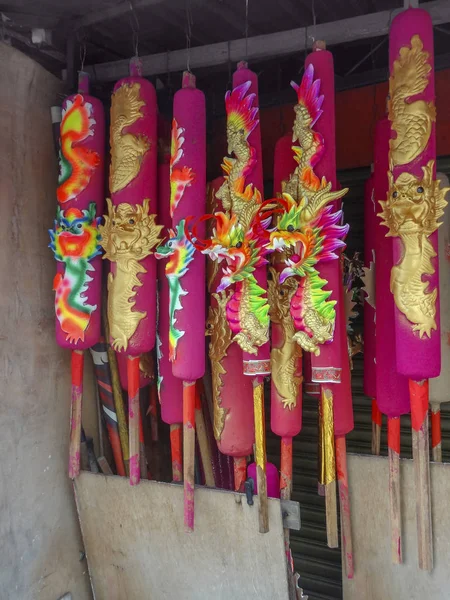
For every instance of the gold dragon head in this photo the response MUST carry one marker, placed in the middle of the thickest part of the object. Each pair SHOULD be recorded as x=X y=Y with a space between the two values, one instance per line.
x=129 y=231
x=414 y=204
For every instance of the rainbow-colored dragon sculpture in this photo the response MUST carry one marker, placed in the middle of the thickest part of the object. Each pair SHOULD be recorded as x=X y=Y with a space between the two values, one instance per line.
x=308 y=231
x=241 y=233
x=76 y=163
x=180 y=251
x=74 y=241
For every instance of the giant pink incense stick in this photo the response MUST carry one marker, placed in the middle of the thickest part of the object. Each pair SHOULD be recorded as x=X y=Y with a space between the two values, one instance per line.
x=170 y=388
x=391 y=388
x=329 y=363
x=75 y=241
x=130 y=234
x=370 y=366
x=411 y=211
x=185 y=270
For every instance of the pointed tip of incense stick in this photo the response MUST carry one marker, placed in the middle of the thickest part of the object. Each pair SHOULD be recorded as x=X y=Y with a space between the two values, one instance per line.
x=189 y=80
x=319 y=45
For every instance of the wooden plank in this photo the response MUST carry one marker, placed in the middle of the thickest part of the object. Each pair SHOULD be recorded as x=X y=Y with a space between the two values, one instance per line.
x=376 y=577
x=268 y=45
x=136 y=545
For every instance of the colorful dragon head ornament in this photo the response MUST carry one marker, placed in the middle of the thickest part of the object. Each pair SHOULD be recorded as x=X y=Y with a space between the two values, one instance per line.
x=308 y=231
x=75 y=234
x=74 y=241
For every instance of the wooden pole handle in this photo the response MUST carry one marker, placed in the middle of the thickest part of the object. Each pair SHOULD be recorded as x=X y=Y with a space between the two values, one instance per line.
x=260 y=454
x=395 y=489
x=75 y=418
x=189 y=453
x=134 y=418
x=344 y=498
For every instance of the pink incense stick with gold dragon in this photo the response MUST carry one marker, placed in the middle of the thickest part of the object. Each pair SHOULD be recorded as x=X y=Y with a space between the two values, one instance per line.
x=130 y=235
x=411 y=212
x=75 y=241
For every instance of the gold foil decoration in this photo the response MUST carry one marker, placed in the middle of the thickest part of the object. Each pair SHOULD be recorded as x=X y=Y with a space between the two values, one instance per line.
x=284 y=359
x=128 y=236
x=260 y=438
x=411 y=212
x=217 y=327
x=127 y=149
x=253 y=333
x=411 y=120
x=327 y=467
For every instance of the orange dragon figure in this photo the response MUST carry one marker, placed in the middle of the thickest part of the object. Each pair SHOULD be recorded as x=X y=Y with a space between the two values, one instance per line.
x=76 y=163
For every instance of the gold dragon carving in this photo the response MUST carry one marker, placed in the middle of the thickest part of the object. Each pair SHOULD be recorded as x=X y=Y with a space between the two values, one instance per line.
x=411 y=212
x=284 y=359
x=128 y=236
x=127 y=149
x=217 y=327
x=412 y=120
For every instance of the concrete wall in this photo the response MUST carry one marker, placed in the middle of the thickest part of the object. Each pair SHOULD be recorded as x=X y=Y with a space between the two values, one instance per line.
x=40 y=539
x=376 y=578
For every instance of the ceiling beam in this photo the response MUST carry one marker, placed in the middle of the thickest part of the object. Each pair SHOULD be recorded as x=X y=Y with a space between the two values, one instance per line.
x=105 y=14
x=270 y=45
x=26 y=40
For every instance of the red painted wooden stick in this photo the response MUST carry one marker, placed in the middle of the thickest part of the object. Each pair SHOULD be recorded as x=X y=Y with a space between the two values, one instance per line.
x=436 y=433
x=133 y=418
x=377 y=419
x=188 y=453
x=176 y=445
x=395 y=489
x=342 y=475
x=75 y=421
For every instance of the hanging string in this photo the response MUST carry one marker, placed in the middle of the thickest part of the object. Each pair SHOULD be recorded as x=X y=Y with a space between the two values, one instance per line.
x=189 y=23
x=246 y=30
x=82 y=54
x=134 y=21
x=313 y=10
x=230 y=80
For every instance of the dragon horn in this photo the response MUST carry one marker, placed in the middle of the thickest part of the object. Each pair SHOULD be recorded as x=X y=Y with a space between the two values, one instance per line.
x=192 y=235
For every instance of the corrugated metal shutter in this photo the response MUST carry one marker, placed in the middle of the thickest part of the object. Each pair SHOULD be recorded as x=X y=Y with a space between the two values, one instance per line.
x=318 y=565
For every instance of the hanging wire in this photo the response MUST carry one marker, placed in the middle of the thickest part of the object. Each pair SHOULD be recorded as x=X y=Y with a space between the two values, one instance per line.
x=134 y=22
x=230 y=77
x=82 y=54
x=246 y=30
x=189 y=23
x=313 y=10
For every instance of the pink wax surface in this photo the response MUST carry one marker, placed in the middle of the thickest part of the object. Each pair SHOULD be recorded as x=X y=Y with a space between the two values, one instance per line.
x=190 y=113
x=418 y=358
x=170 y=387
x=342 y=392
x=240 y=76
x=143 y=186
x=238 y=435
x=371 y=222
x=329 y=361
x=392 y=391
x=93 y=192
x=284 y=421
x=273 y=479
x=123 y=374
x=284 y=163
